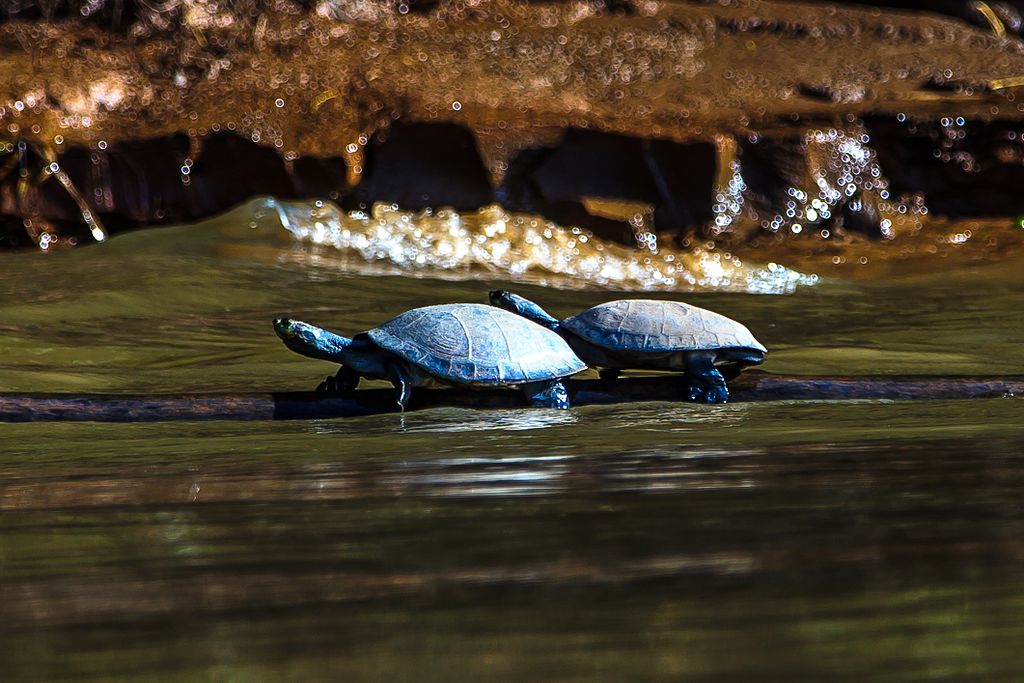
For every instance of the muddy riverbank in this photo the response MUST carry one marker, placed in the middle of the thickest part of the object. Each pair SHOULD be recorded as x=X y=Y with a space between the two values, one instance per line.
x=739 y=122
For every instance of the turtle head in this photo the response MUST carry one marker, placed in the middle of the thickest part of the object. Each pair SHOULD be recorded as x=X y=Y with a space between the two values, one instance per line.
x=310 y=340
x=513 y=303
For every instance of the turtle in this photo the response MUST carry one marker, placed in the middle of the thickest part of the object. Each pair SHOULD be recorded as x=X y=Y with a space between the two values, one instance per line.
x=465 y=345
x=652 y=334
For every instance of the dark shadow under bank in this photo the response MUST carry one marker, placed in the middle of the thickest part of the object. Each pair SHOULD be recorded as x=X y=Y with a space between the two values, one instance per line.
x=959 y=171
x=304 y=405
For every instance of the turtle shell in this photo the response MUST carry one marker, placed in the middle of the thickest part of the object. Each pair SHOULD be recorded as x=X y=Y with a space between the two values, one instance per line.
x=477 y=344
x=646 y=325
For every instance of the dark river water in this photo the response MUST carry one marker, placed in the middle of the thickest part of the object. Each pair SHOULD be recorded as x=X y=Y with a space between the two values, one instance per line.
x=784 y=541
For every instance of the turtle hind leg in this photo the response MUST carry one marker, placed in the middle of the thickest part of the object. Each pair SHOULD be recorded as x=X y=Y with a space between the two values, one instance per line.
x=551 y=394
x=705 y=383
x=344 y=382
x=403 y=386
x=609 y=373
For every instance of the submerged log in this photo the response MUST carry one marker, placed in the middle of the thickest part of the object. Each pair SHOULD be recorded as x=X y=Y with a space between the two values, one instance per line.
x=304 y=405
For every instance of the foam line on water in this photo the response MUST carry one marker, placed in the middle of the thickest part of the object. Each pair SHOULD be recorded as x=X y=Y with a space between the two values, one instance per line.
x=494 y=242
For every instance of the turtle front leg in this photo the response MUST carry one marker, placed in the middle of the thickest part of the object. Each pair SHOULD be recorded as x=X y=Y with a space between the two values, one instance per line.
x=706 y=384
x=550 y=394
x=344 y=382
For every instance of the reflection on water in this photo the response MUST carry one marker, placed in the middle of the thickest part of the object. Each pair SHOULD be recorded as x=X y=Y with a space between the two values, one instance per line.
x=522 y=558
x=462 y=421
x=519 y=247
x=831 y=540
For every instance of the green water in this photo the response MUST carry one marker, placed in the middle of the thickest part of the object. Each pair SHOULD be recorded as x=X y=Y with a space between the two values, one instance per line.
x=860 y=540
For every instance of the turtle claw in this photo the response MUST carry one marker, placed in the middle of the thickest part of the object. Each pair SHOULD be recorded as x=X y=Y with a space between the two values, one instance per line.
x=342 y=383
x=552 y=394
x=328 y=386
x=708 y=390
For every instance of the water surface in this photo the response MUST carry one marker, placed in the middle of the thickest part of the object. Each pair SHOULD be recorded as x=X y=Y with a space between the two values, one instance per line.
x=857 y=540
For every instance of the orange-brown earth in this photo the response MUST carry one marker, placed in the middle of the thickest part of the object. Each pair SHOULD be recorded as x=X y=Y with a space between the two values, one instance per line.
x=332 y=80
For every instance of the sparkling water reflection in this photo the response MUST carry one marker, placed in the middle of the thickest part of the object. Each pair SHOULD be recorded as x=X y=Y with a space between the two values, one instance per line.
x=464 y=421
x=521 y=247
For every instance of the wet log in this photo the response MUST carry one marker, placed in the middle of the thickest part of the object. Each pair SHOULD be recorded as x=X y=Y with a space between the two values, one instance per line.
x=304 y=405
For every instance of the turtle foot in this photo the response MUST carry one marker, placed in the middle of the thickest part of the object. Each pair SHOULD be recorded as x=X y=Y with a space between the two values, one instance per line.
x=342 y=383
x=551 y=395
x=708 y=390
x=330 y=385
